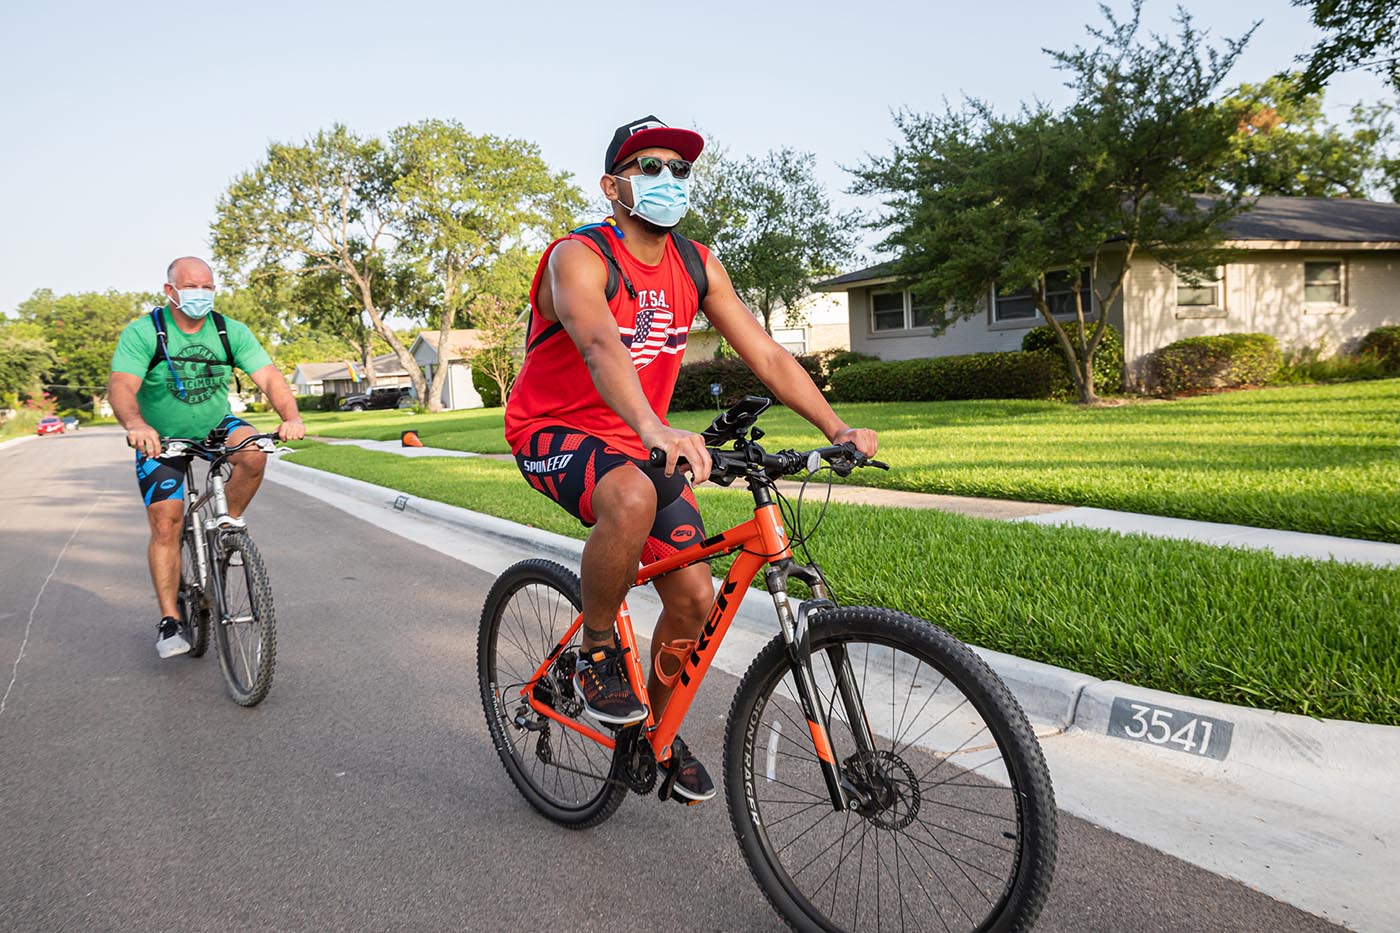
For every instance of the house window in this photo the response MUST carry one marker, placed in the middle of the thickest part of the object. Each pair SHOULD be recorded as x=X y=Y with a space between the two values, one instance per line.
x=1059 y=295
x=1322 y=282
x=1202 y=292
x=887 y=311
x=791 y=339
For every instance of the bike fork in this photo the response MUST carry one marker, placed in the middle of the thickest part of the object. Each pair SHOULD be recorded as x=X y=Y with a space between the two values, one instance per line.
x=797 y=637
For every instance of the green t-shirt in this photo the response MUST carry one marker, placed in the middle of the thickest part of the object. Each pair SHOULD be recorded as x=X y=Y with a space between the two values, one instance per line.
x=200 y=360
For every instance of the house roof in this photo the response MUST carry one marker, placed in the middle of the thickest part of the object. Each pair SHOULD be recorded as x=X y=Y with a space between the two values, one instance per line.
x=384 y=365
x=1319 y=220
x=1280 y=219
x=459 y=341
x=316 y=372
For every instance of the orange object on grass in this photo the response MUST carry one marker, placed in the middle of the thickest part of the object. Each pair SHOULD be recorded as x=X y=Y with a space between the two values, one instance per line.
x=410 y=439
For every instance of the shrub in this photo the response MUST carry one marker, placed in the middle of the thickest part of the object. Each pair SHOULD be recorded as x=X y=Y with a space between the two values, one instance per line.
x=486 y=387
x=1108 y=358
x=1215 y=362
x=1308 y=365
x=735 y=379
x=316 y=402
x=833 y=360
x=1383 y=343
x=946 y=378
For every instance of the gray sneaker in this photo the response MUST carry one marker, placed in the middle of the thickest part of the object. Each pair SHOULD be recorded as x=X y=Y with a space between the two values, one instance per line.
x=171 y=641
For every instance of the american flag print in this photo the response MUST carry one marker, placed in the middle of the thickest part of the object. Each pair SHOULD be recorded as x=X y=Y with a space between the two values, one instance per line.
x=651 y=334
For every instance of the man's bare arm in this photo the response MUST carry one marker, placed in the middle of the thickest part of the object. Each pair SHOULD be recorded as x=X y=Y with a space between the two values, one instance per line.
x=269 y=380
x=774 y=366
x=121 y=395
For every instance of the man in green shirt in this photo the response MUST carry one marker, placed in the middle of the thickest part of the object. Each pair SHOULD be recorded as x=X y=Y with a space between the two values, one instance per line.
x=170 y=377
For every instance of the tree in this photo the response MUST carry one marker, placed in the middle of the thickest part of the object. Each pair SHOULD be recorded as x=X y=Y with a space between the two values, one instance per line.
x=325 y=206
x=26 y=359
x=1283 y=145
x=1359 y=34
x=500 y=328
x=466 y=200
x=83 y=330
x=976 y=201
x=771 y=224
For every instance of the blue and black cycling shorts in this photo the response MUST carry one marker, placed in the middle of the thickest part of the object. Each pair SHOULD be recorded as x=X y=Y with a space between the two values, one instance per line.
x=162 y=478
x=566 y=465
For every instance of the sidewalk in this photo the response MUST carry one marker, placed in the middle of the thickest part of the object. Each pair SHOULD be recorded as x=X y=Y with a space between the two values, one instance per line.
x=1301 y=809
x=1282 y=543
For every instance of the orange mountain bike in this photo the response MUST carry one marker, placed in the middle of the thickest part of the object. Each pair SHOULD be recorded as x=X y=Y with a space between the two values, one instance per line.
x=879 y=774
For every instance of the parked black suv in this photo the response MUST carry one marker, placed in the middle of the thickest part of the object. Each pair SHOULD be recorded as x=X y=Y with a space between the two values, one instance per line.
x=378 y=397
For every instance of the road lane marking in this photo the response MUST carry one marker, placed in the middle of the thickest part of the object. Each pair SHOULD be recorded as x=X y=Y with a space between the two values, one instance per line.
x=14 y=671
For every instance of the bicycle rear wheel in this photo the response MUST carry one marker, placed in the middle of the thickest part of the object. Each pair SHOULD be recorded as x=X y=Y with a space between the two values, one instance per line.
x=247 y=632
x=954 y=828
x=564 y=775
x=193 y=603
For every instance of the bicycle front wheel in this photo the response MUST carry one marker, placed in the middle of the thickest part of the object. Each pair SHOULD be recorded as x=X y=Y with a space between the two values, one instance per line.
x=247 y=632
x=952 y=818
x=564 y=775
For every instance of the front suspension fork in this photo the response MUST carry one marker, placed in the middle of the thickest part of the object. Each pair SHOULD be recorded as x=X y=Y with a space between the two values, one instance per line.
x=797 y=637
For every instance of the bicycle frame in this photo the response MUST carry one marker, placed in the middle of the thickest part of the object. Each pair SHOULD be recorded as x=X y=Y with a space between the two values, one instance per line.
x=762 y=542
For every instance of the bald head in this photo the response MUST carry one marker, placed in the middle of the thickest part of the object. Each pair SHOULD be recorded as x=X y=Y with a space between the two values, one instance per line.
x=190 y=272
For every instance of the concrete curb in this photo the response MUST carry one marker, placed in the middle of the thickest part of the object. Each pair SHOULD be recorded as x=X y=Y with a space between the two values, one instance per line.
x=1064 y=700
x=18 y=440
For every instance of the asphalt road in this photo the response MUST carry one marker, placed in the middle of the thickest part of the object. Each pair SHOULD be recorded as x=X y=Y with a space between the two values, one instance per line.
x=363 y=794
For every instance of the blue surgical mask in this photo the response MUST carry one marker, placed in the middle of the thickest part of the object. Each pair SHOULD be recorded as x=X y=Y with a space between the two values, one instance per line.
x=661 y=199
x=195 y=302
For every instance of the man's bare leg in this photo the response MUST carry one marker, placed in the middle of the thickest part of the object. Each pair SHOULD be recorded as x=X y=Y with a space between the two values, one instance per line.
x=624 y=502
x=248 y=466
x=163 y=554
x=686 y=597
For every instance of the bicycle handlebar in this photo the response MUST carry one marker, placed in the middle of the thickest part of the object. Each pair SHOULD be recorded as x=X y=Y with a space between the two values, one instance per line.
x=728 y=464
x=178 y=446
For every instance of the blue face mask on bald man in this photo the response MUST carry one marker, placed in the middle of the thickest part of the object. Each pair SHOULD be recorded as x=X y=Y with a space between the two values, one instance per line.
x=195 y=302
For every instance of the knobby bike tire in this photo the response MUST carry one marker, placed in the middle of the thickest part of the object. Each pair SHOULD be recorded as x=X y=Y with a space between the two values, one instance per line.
x=1027 y=801
x=527 y=611
x=246 y=657
x=194 y=600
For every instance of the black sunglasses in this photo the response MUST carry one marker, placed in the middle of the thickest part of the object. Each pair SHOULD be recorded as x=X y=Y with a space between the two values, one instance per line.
x=652 y=165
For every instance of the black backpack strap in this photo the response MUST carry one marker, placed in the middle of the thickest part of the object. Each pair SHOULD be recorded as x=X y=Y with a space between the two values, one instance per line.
x=600 y=239
x=694 y=265
x=222 y=326
x=159 y=356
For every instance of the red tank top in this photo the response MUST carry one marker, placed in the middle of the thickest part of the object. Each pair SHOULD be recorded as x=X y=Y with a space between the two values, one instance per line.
x=554 y=387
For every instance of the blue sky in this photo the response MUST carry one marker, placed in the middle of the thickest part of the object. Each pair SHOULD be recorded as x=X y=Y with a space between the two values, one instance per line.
x=123 y=123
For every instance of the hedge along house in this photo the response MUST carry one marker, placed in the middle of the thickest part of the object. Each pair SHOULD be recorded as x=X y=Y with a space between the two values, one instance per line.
x=1315 y=273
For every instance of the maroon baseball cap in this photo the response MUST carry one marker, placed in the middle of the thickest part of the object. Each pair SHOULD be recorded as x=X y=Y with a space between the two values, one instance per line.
x=647 y=133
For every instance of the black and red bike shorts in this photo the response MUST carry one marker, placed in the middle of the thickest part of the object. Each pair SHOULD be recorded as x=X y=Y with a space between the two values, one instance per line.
x=566 y=465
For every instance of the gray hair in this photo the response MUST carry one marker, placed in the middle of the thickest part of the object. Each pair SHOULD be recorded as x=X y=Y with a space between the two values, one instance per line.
x=170 y=269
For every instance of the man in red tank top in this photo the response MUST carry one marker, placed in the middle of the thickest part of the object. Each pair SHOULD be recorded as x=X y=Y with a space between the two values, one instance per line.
x=591 y=400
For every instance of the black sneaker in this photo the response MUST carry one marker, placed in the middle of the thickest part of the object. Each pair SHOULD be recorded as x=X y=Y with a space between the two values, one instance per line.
x=171 y=640
x=601 y=684
x=691 y=783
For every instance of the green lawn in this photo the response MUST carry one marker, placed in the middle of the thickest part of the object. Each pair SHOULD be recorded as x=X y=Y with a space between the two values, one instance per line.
x=1243 y=627
x=1322 y=459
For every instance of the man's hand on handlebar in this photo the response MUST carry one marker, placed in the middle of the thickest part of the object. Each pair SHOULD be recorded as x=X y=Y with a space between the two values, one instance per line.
x=680 y=445
x=864 y=439
x=292 y=430
x=145 y=439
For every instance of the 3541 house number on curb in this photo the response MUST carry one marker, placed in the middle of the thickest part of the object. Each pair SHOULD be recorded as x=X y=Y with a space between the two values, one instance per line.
x=1170 y=728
